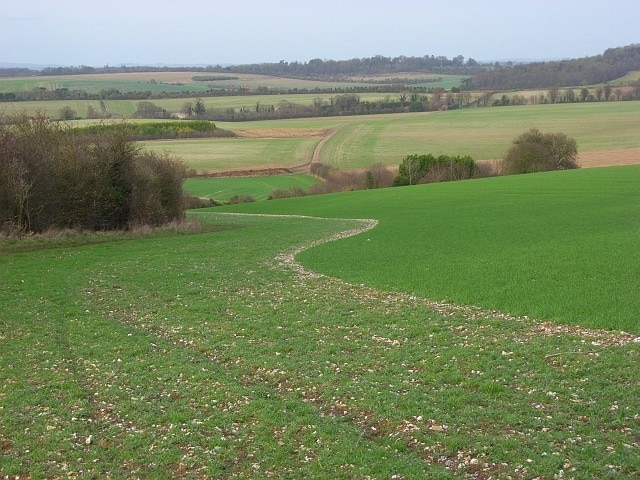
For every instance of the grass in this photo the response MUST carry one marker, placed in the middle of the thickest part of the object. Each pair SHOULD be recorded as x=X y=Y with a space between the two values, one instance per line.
x=484 y=133
x=557 y=246
x=199 y=355
x=224 y=154
x=259 y=187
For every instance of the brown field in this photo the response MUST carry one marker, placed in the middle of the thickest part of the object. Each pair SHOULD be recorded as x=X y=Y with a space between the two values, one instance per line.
x=607 y=158
x=282 y=132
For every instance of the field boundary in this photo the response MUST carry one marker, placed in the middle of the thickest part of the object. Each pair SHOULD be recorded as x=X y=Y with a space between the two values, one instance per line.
x=597 y=338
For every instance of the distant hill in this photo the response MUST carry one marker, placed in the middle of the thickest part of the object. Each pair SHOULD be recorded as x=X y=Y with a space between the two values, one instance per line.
x=614 y=63
x=611 y=65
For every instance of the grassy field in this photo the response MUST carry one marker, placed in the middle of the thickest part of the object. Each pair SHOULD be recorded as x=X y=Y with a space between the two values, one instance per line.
x=259 y=187
x=361 y=141
x=201 y=355
x=559 y=246
x=483 y=133
x=225 y=154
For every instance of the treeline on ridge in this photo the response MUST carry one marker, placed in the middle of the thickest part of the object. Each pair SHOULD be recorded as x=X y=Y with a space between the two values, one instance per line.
x=611 y=65
x=317 y=66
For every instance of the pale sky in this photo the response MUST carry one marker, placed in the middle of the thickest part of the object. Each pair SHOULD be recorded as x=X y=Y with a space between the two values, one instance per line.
x=148 y=32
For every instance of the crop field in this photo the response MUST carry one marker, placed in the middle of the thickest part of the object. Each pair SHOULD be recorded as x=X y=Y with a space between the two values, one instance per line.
x=128 y=107
x=483 y=133
x=259 y=187
x=157 y=82
x=215 y=155
x=208 y=353
x=604 y=130
x=557 y=246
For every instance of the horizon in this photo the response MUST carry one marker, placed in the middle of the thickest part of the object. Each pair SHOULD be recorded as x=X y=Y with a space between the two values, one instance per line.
x=201 y=33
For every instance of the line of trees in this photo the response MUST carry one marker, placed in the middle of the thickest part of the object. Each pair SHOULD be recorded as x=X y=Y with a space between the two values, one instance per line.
x=53 y=178
x=314 y=67
x=63 y=93
x=336 y=69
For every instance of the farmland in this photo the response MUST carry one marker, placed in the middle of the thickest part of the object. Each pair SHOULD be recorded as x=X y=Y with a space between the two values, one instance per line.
x=126 y=108
x=477 y=329
x=482 y=133
x=210 y=155
x=515 y=244
x=203 y=353
x=361 y=141
x=157 y=82
x=259 y=187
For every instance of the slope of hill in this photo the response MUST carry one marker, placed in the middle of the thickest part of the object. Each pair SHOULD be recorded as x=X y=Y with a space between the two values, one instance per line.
x=611 y=65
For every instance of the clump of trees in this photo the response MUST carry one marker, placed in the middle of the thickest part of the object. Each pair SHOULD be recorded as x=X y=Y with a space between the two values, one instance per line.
x=416 y=169
x=531 y=152
x=53 y=178
x=534 y=151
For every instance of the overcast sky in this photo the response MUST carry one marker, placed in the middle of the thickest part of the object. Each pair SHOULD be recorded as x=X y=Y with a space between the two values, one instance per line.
x=147 y=32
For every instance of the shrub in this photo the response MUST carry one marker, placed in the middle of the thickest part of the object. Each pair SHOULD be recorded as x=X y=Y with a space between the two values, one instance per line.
x=488 y=168
x=416 y=169
x=241 y=199
x=192 y=202
x=336 y=180
x=53 y=178
x=534 y=151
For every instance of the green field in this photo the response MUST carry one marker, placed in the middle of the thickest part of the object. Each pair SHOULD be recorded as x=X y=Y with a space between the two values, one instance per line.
x=560 y=246
x=225 y=154
x=259 y=187
x=360 y=141
x=482 y=133
x=200 y=355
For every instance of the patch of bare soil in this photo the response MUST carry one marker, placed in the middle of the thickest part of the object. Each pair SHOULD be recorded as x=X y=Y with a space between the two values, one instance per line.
x=609 y=158
x=282 y=132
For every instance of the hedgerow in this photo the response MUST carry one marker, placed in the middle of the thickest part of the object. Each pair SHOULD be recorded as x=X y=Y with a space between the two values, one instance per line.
x=53 y=178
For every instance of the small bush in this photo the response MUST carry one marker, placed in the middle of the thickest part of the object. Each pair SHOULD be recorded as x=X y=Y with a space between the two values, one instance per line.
x=336 y=180
x=192 y=202
x=488 y=168
x=534 y=151
x=416 y=169
x=281 y=193
x=241 y=199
